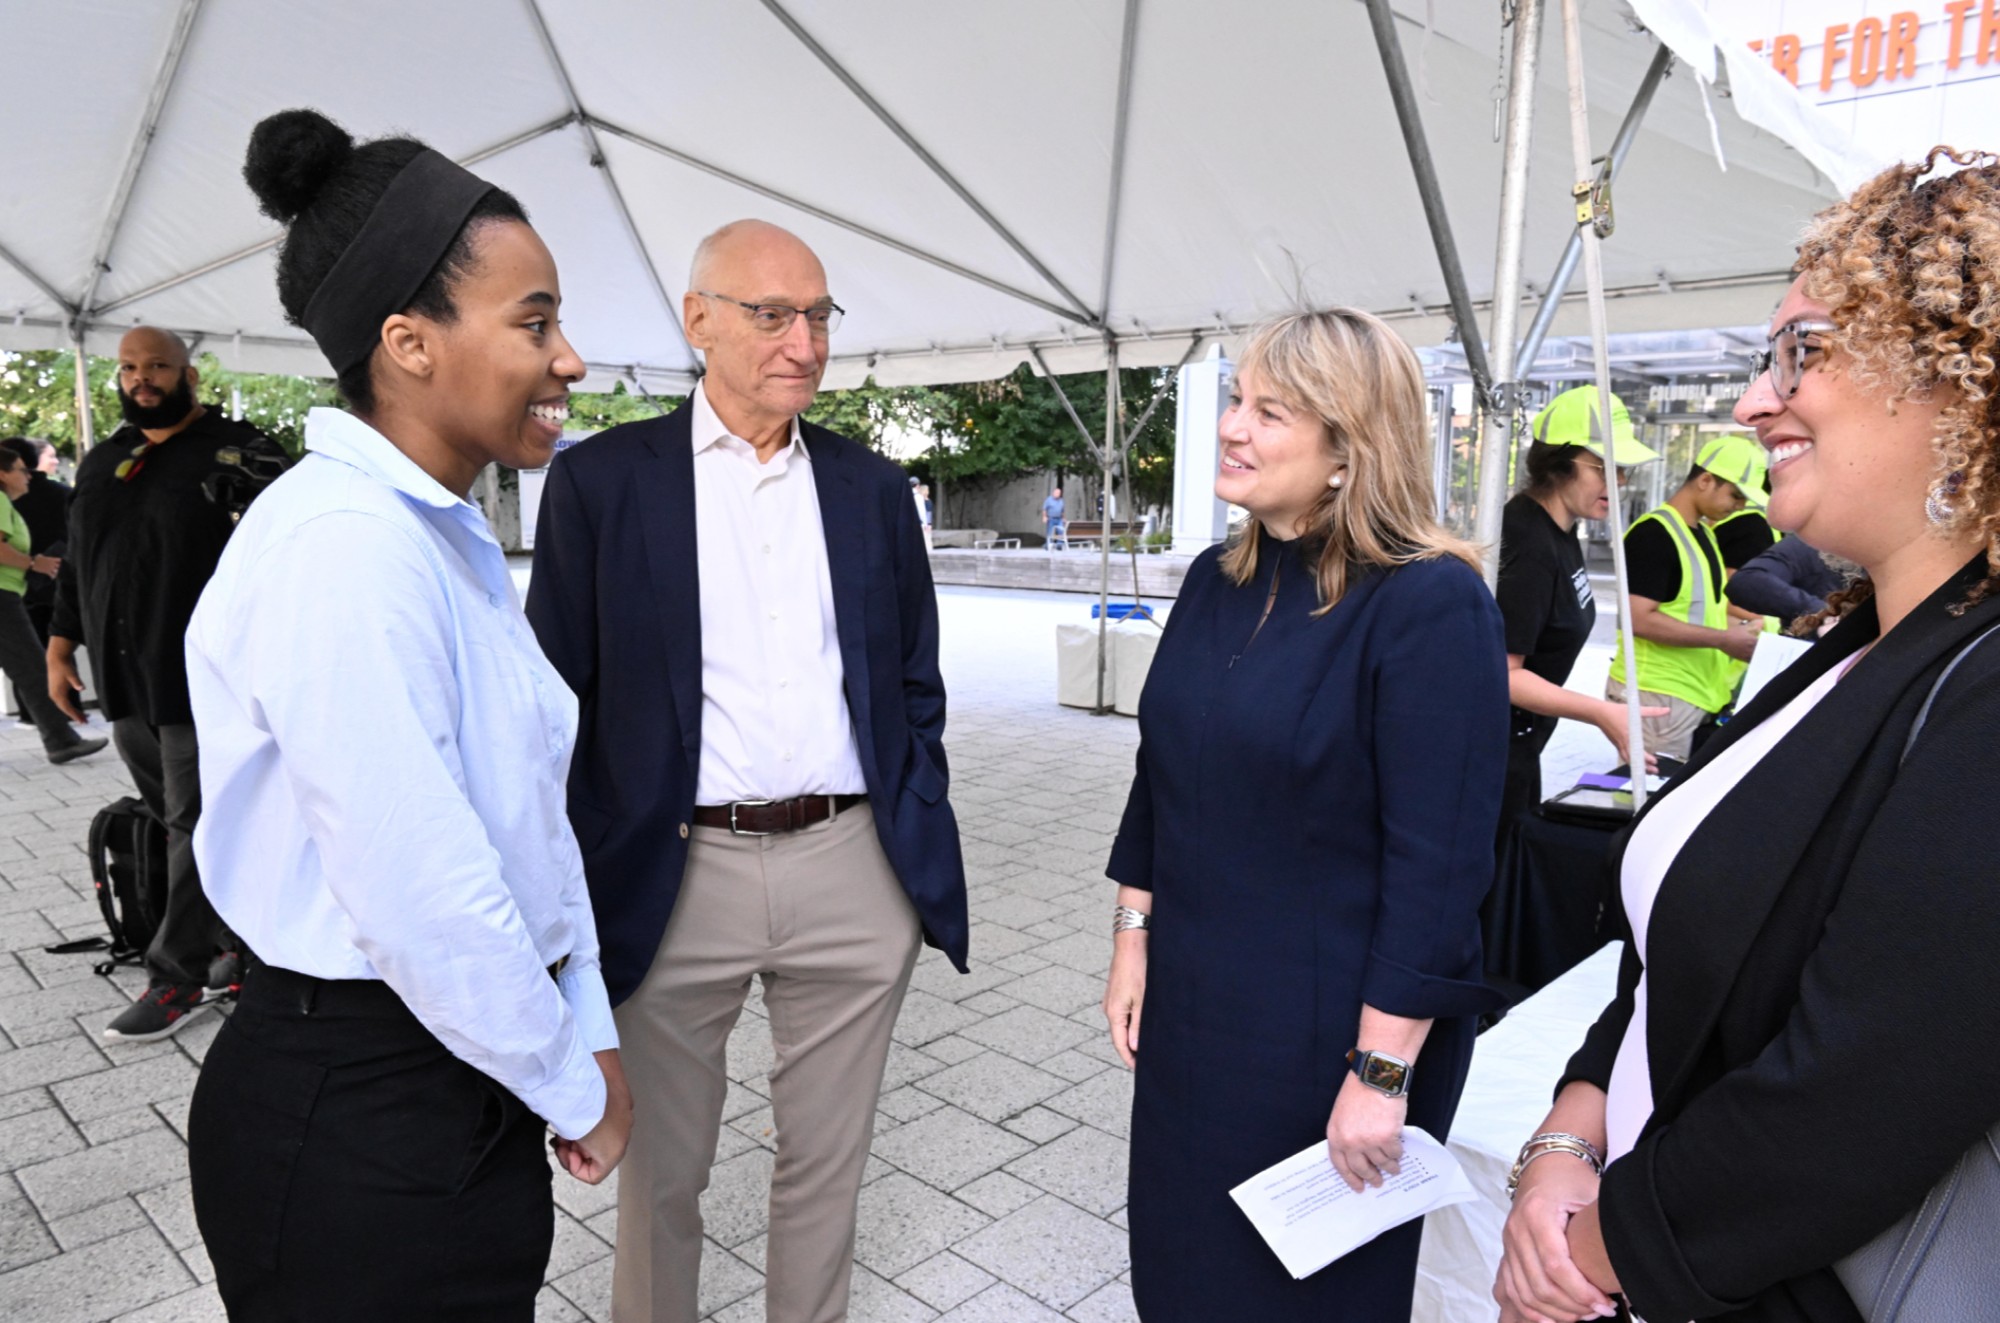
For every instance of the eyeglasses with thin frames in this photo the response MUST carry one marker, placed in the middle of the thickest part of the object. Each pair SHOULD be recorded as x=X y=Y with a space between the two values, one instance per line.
x=774 y=319
x=1784 y=355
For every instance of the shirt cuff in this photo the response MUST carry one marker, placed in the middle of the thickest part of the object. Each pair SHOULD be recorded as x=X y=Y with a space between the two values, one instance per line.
x=1397 y=989
x=573 y=1100
x=590 y=1003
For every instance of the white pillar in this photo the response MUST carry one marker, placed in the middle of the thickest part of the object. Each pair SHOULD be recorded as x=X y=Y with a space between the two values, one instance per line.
x=1200 y=519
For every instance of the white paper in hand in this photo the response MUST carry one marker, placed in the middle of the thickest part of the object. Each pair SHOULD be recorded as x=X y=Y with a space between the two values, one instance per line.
x=1306 y=1213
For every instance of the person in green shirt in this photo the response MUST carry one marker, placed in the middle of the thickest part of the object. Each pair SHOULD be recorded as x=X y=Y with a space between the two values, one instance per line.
x=21 y=655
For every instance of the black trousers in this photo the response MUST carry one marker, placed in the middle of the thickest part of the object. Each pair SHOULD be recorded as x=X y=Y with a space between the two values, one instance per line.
x=347 y=1166
x=24 y=658
x=166 y=769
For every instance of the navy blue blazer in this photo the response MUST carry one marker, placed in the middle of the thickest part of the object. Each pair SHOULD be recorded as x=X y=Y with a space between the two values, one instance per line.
x=615 y=602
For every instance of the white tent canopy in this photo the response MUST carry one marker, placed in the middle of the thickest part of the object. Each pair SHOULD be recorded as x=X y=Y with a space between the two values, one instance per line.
x=979 y=178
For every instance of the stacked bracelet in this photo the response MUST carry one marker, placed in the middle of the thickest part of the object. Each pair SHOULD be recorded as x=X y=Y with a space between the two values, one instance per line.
x=1125 y=918
x=1554 y=1141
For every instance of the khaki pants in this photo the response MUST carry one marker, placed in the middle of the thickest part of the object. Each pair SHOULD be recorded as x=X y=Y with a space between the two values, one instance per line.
x=1671 y=735
x=819 y=916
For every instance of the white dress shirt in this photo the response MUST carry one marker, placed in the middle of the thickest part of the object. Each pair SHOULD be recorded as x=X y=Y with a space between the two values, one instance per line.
x=1655 y=844
x=774 y=719
x=383 y=757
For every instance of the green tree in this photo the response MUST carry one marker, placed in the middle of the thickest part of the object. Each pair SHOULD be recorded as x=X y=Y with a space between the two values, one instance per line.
x=999 y=429
x=275 y=405
x=38 y=396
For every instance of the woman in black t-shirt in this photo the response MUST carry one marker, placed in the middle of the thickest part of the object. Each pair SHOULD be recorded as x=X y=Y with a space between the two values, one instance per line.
x=1548 y=610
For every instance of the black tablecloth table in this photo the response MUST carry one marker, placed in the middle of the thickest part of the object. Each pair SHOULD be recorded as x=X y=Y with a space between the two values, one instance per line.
x=1554 y=902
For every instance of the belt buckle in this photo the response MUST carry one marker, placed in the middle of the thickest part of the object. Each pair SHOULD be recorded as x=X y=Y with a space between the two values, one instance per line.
x=735 y=830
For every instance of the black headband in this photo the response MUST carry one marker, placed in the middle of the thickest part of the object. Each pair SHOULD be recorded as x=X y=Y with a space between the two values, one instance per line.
x=413 y=225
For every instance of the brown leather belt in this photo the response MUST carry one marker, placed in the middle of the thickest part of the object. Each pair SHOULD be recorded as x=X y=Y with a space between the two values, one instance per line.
x=769 y=817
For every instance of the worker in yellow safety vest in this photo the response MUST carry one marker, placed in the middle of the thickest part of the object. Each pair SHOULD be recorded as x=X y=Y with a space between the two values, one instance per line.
x=1689 y=651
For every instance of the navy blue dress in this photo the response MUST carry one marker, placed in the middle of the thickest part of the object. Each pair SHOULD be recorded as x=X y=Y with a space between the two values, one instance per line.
x=1314 y=813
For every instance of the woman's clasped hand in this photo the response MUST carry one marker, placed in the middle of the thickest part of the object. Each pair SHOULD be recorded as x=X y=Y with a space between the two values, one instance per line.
x=1539 y=1280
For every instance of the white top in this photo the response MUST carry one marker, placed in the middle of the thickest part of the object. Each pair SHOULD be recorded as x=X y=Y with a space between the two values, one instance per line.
x=383 y=757
x=774 y=719
x=1656 y=842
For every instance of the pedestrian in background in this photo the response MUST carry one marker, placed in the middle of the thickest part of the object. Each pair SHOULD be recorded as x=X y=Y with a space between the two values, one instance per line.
x=1787 y=582
x=1801 y=1045
x=147 y=522
x=45 y=508
x=21 y=653
x=1323 y=736
x=1689 y=652
x=383 y=748
x=1546 y=603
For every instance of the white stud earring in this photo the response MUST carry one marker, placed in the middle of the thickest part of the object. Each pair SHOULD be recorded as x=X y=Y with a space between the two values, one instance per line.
x=1335 y=481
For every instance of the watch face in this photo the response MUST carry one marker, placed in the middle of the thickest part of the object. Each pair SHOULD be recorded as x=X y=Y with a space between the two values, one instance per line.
x=1384 y=1074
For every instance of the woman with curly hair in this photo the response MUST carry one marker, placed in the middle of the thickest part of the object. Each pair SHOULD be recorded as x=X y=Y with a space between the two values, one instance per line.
x=1323 y=737
x=1802 y=1041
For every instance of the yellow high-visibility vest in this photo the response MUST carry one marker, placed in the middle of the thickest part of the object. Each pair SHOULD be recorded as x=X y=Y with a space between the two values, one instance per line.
x=1702 y=676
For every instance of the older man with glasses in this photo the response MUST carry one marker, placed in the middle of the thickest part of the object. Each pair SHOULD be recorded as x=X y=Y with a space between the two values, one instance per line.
x=742 y=602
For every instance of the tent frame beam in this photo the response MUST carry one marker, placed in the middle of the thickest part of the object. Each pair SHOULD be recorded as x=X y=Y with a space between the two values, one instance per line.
x=243 y=254
x=1621 y=147
x=1120 y=132
x=602 y=164
x=35 y=279
x=833 y=218
x=1423 y=167
x=935 y=166
x=135 y=162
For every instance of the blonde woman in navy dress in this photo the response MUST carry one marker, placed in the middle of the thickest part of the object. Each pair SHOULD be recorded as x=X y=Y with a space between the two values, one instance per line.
x=1323 y=738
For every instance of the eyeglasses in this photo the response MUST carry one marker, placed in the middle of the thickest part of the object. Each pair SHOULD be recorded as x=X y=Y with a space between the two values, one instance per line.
x=774 y=319
x=1784 y=355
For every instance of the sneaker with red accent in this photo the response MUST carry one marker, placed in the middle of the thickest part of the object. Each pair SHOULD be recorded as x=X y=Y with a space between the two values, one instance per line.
x=225 y=976
x=163 y=1010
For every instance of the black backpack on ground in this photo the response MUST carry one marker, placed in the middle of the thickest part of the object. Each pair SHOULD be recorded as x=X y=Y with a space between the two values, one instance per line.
x=128 y=868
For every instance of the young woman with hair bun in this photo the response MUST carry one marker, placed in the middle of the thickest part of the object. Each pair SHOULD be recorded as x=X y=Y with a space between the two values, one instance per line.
x=384 y=750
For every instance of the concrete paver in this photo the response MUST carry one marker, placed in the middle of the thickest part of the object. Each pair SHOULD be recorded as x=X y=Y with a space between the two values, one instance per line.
x=995 y=1193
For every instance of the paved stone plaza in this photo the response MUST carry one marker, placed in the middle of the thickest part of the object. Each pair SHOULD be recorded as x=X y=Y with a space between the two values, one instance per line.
x=996 y=1190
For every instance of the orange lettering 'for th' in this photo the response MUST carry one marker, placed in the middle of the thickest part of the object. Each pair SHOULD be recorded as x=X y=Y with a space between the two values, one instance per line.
x=1785 y=57
x=1831 y=52
x=1899 y=59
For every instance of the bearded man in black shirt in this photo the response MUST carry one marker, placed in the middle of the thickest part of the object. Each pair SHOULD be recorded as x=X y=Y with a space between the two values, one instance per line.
x=153 y=507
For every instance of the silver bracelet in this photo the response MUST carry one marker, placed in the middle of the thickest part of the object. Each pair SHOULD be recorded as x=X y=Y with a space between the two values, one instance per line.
x=1124 y=918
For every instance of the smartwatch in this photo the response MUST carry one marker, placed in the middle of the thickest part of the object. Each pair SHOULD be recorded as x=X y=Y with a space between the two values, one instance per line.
x=1381 y=1072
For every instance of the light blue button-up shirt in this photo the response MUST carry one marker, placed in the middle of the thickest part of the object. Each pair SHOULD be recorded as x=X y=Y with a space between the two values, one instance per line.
x=383 y=757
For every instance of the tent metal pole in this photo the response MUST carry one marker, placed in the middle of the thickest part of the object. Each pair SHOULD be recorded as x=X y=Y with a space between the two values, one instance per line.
x=1383 y=19
x=241 y=254
x=156 y=103
x=1055 y=383
x=1621 y=147
x=1113 y=402
x=917 y=149
x=1160 y=395
x=1120 y=131
x=1503 y=406
x=603 y=166
x=1593 y=274
x=833 y=218
x=85 y=432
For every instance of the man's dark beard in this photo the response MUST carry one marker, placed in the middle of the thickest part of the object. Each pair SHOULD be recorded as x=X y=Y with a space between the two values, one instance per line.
x=175 y=405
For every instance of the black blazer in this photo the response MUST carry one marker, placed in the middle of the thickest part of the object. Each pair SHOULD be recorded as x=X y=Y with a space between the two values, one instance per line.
x=1824 y=984
x=615 y=602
